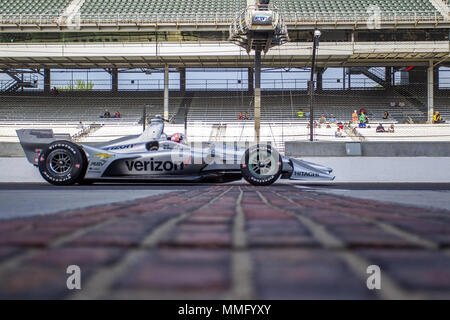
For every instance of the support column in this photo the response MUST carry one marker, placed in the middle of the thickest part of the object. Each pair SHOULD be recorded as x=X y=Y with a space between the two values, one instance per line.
x=319 y=79
x=349 y=79
x=343 y=78
x=388 y=76
x=430 y=91
x=182 y=79
x=47 y=80
x=114 y=80
x=251 y=83
x=166 y=92
x=257 y=94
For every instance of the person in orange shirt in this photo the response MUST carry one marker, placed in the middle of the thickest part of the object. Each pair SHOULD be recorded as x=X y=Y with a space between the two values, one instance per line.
x=355 y=117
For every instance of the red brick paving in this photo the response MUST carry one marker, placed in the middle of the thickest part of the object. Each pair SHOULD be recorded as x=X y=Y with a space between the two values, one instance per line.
x=230 y=242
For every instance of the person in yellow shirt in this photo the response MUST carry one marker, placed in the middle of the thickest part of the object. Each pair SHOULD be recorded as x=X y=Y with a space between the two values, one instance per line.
x=437 y=118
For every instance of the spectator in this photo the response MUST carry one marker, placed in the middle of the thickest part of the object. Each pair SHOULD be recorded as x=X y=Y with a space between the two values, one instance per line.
x=240 y=117
x=362 y=110
x=401 y=104
x=300 y=113
x=437 y=118
x=332 y=119
x=391 y=129
x=117 y=114
x=362 y=124
x=246 y=116
x=386 y=115
x=362 y=118
x=81 y=126
x=338 y=133
x=107 y=114
x=380 y=128
x=355 y=117
x=54 y=91
x=392 y=104
x=322 y=119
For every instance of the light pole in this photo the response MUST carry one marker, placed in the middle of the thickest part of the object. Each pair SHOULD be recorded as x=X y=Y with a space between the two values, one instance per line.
x=316 y=37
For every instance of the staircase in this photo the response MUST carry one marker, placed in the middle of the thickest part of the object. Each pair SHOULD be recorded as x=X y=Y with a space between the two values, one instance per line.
x=17 y=83
x=373 y=74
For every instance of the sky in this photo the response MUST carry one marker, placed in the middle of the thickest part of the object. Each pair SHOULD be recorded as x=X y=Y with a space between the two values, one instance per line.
x=218 y=79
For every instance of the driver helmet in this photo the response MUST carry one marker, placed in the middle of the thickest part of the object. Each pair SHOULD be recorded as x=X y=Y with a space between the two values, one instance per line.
x=177 y=137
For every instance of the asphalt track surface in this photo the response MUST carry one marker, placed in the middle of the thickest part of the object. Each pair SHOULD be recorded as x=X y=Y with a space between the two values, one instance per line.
x=227 y=241
x=28 y=199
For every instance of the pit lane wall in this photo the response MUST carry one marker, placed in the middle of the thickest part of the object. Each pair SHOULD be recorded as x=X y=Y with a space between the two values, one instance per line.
x=397 y=162
x=368 y=149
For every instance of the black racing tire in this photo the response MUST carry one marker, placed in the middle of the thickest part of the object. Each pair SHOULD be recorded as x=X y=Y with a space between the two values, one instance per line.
x=261 y=165
x=62 y=163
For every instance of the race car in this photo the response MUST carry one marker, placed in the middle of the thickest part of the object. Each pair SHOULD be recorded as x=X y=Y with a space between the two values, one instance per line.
x=155 y=156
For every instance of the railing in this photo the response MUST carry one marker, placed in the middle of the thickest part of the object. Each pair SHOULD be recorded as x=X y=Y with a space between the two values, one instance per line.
x=214 y=84
x=223 y=18
x=362 y=17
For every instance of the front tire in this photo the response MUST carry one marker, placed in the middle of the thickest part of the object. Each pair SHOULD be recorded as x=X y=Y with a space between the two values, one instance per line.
x=62 y=163
x=261 y=165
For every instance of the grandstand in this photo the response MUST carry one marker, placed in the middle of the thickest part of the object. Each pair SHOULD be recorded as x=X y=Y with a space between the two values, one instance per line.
x=33 y=7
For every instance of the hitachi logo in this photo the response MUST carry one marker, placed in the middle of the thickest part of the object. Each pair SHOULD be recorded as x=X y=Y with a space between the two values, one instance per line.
x=306 y=174
x=152 y=165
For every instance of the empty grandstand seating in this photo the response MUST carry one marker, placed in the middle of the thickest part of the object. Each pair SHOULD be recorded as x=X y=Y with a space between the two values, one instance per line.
x=162 y=7
x=283 y=107
x=75 y=109
x=33 y=7
x=359 y=6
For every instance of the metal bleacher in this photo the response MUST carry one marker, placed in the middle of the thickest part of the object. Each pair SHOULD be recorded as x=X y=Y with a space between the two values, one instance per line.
x=32 y=7
x=283 y=107
x=347 y=7
x=161 y=7
x=75 y=109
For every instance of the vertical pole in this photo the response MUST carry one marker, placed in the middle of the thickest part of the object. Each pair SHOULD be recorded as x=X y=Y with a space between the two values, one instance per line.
x=257 y=94
x=388 y=76
x=319 y=79
x=311 y=90
x=343 y=78
x=183 y=80
x=144 y=118
x=250 y=80
x=349 y=79
x=114 y=80
x=47 y=80
x=166 y=92
x=430 y=91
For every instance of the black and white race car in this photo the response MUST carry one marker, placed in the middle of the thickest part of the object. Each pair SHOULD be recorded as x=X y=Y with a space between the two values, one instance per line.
x=154 y=156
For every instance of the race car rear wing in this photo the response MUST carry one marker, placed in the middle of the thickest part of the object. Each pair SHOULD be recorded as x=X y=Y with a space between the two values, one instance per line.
x=33 y=141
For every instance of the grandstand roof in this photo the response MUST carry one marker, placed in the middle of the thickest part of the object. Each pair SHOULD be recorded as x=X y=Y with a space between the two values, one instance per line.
x=223 y=54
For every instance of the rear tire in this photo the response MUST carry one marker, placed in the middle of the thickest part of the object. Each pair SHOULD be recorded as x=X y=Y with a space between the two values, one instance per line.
x=261 y=165
x=62 y=163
